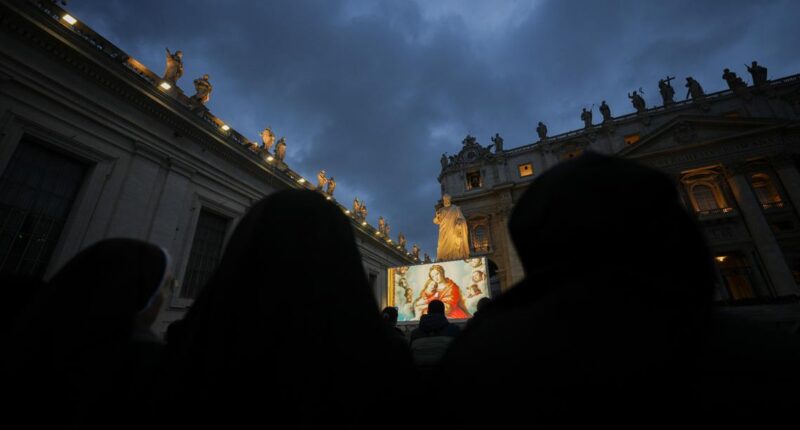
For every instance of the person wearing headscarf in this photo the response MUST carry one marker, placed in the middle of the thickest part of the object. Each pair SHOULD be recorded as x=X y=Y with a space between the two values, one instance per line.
x=278 y=335
x=81 y=354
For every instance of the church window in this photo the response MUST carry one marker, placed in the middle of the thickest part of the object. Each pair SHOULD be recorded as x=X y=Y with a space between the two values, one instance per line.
x=704 y=198
x=766 y=192
x=209 y=237
x=525 y=170
x=632 y=139
x=735 y=273
x=37 y=191
x=474 y=180
x=480 y=236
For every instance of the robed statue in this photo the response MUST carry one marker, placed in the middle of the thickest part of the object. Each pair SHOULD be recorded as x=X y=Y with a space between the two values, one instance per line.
x=174 y=69
x=280 y=149
x=331 y=186
x=203 y=90
x=321 y=180
x=452 y=243
x=415 y=251
x=267 y=138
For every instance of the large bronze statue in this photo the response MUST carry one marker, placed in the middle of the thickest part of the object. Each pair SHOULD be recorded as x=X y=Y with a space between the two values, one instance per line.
x=498 y=142
x=267 y=138
x=541 y=130
x=759 y=73
x=637 y=101
x=586 y=116
x=174 y=69
x=280 y=149
x=331 y=186
x=452 y=243
x=666 y=90
x=202 y=90
x=695 y=90
x=605 y=110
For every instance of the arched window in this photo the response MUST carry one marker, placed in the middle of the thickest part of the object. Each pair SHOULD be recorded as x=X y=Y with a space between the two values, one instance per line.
x=765 y=190
x=736 y=276
x=704 y=198
x=479 y=235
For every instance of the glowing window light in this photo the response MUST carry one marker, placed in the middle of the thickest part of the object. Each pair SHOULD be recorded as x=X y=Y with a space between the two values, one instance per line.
x=225 y=127
x=270 y=158
x=69 y=19
x=165 y=85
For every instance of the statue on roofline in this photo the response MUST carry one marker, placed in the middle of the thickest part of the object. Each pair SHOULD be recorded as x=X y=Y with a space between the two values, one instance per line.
x=203 y=90
x=541 y=130
x=174 y=69
x=666 y=90
x=331 y=186
x=280 y=149
x=267 y=138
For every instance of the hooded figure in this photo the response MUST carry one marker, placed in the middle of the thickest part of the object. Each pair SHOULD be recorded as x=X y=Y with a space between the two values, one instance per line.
x=299 y=341
x=613 y=306
x=83 y=351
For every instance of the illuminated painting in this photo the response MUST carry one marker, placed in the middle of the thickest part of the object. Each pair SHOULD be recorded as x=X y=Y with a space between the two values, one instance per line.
x=458 y=284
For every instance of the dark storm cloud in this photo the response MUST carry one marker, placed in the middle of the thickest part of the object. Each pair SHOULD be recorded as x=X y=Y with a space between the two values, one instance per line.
x=374 y=92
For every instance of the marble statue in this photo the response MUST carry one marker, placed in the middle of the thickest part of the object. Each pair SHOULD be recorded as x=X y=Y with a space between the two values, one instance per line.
x=666 y=90
x=734 y=82
x=415 y=251
x=356 y=207
x=381 y=224
x=321 y=180
x=331 y=186
x=695 y=90
x=452 y=243
x=280 y=149
x=498 y=143
x=586 y=116
x=605 y=110
x=427 y=258
x=444 y=162
x=203 y=90
x=362 y=210
x=759 y=73
x=541 y=130
x=637 y=101
x=174 y=69
x=267 y=138
x=401 y=240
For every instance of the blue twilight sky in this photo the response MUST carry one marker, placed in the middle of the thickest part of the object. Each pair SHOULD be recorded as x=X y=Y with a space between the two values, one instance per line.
x=375 y=91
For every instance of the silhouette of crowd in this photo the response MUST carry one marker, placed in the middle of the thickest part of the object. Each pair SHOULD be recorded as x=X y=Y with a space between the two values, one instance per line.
x=613 y=322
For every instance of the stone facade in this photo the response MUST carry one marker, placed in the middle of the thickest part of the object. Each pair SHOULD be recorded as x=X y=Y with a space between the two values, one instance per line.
x=733 y=157
x=149 y=165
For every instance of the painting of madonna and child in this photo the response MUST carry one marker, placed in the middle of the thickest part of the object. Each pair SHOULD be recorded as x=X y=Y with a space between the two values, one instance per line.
x=458 y=284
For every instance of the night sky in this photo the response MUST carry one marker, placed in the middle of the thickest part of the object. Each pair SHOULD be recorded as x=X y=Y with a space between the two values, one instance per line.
x=375 y=91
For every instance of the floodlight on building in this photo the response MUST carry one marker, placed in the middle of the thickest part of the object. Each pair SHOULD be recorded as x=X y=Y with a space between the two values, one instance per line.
x=225 y=127
x=389 y=240
x=363 y=223
x=347 y=211
x=328 y=198
x=165 y=85
x=69 y=19
x=377 y=233
x=721 y=258
x=301 y=180
x=270 y=158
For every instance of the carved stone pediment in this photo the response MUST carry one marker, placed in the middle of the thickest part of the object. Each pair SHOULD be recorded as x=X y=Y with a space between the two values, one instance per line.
x=471 y=152
x=688 y=131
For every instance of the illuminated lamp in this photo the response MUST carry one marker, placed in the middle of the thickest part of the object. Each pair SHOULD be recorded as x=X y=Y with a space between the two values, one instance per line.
x=721 y=258
x=301 y=180
x=69 y=19
x=165 y=85
x=225 y=127
x=270 y=158
x=364 y=223
x=347 y=211
x=328 y=198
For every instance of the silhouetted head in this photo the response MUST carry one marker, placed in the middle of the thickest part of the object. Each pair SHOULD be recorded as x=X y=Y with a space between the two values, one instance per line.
x=435 y=307
x=607 y=221
x=389 y=315
x=482 y=303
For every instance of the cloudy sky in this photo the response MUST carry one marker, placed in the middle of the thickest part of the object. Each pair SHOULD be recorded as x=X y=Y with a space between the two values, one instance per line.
x=375 y=91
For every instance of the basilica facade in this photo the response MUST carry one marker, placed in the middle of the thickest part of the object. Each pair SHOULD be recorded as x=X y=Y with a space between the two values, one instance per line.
x=733 y=156
x=94 y=145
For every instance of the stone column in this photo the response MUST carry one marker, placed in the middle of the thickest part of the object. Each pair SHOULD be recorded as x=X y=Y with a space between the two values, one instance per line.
x=790 y=178
x=763 y=237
